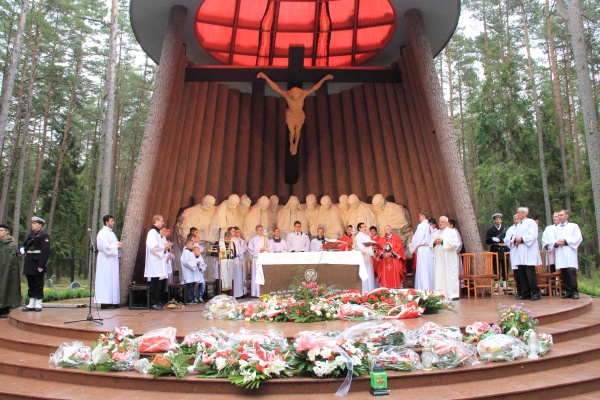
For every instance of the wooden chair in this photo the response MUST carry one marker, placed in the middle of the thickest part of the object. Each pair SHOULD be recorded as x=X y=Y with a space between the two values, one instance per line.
x=485 y=278
x=466 y=271
x=511 y=282
x=542 y=273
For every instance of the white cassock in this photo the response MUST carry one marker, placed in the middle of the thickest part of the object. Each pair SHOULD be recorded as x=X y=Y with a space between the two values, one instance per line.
x=190 y=270
x=255 y=245
x=155 y=265
x=279 y=246
x=316 y=245
x=547 y=238
x=424 y=277
x=298 y=241
x=242 y=249
x=235 y=266
x=509 y=241
x=528 y=252
x=107 y=268
x=566 y=256
x=367 y=253
x=168 y=260
x=445 y=262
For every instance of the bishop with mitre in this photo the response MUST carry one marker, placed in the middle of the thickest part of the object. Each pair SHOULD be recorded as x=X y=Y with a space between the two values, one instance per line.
x=392 y=266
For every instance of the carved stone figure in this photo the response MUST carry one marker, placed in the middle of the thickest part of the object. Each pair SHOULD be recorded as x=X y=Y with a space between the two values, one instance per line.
x=225 y=216
x=198 y=216
x=389 y=213
x=344 y=208
x=312 y=213
x=330 y=218
x=289 y=214
x=360 y=212
x=243 y=209
x=294 y=115
x=258 y=215
x=273 y=211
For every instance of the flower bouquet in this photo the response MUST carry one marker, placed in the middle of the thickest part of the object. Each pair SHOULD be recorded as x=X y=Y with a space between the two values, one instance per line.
x=312 y=311
x=219 y=307
x=479 y=331
x=433 y=301
x=545 y=341
x=431 y=330
x=501 y=348
x=398 y=358
x=373 y=334
x=157 y=340
x=448 y=353
x=357 y=312
x=170 y=364
x=204 y=340
x=326 y=357
x=247 y=358
x=307 y=290
x=515 y=320
x=70 y=355
x=114 y=351
x=405 y=311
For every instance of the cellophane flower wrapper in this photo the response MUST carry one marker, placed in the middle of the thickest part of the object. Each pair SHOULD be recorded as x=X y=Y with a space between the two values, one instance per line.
x=449 y=353
x=398 y=358
x=405 y=311
x=142 y=366
x=372 y=334
x=248 y=357
x=357 y=312
x=432 y=330
x=501 y=348
x=479 y=331
x=220 y=307
x=71 y=355
x=203 y=340
x=158 y=340
x=115 y=351
x=545 y=342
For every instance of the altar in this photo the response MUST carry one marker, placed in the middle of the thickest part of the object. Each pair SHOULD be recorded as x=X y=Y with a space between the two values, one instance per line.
x=340 y=270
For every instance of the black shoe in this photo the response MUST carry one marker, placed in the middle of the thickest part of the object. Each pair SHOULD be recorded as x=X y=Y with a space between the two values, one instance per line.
x=455 y=298
x=521 y=297
x=568 y=296
x=575 y=296
x=157 y=307
x=535 y=297
x=38 y=309
x=28 y=309
x=545 y=293
x=4 y=315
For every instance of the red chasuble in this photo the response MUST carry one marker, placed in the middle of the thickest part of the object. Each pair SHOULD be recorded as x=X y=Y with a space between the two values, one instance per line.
x=348 y=241
x=393 y=269
x=376 y=260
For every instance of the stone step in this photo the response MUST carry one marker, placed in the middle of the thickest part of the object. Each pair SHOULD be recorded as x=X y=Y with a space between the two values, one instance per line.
x=564 y=356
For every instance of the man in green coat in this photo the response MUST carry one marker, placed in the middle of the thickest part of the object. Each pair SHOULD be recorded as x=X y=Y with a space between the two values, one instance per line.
x=10 y=285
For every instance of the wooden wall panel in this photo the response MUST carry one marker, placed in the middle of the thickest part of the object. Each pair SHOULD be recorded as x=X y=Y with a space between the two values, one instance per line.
x=365 y=146
x=314 y=183
x=189 y=196
x=219 y=144
x=328 y=186
x=355 y=160
x=228 y=167
x=282 y=190
x=206 y=137
x=240 y=179
x=269 y=154
x=255 y=141
x=339 y=147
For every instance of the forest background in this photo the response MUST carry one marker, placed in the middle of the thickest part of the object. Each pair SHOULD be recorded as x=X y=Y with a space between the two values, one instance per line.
x=508 y=76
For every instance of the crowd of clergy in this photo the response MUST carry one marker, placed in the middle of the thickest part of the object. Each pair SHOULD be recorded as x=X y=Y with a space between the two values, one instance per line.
x=433 y=250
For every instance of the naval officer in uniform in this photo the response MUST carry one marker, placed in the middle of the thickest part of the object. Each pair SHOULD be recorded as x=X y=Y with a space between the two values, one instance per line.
x=36 y=249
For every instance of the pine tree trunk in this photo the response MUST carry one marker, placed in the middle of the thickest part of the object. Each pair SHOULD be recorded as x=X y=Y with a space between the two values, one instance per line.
x=538 y=120
x=588 y=103
x=63 y=146
x=25 y=137
x=9 y=79
x=170 y=61
x=110 y=112
x=558 y=108
x=418 y=45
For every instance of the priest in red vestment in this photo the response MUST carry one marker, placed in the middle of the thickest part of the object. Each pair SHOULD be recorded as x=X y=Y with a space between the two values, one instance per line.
x=347 y=238
x=392 y=260
x=376 y=261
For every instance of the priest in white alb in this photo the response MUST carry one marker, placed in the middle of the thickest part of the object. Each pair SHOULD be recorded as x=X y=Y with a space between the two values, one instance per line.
x=444 y=242
x=259 y=243
x=107 y=266
x=363 y=245
x=424 y=277
x=566 y=242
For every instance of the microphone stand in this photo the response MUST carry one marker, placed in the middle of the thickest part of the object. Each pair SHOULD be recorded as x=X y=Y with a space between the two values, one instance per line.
x=91 y=268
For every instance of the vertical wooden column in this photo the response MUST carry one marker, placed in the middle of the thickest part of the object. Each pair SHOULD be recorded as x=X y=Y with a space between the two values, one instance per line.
x=418 y=43
x=157 y=115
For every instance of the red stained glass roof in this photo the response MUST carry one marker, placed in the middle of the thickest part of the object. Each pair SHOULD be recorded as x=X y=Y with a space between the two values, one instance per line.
x=259 y=32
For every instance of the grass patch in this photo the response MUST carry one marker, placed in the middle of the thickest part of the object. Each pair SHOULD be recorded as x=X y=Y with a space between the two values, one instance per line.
x=60 y=291
x=590 y=286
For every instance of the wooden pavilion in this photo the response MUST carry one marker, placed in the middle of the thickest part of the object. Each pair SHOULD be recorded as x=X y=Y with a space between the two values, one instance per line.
x=381 y=126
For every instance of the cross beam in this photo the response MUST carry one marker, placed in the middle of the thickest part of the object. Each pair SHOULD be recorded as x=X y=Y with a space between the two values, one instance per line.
x=294 y=72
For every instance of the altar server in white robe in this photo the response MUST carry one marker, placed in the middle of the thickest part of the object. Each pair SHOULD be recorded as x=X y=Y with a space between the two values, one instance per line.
x=279 y=245
x=567 y=240
x=514 y=255
x=526 y=242
x=155 y=269
x=298 y=241
x=362 y=239
x=259 y=243
x=192 y=268
x=168 y=257
x=232 y=262
x=424 y=277
x=547 y=238
x=245 y=259
x=107 y=266
x=444 y=242
x=317 y=243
